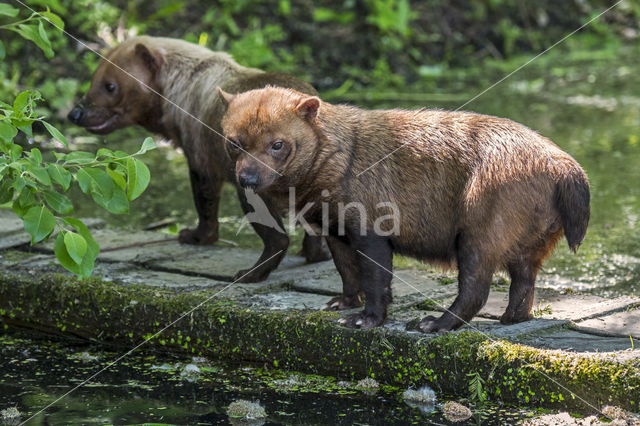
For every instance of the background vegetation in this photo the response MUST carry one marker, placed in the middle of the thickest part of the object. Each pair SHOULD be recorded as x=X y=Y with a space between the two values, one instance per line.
x=351 y=44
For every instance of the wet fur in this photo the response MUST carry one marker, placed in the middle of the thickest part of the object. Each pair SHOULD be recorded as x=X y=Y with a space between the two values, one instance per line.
x=476 y=192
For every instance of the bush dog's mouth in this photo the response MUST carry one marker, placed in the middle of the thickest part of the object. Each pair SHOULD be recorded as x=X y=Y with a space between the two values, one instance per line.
x=104 y=125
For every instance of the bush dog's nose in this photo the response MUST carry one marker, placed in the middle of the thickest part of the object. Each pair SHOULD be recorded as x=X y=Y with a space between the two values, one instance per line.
x=248 y=179
x=76 y=114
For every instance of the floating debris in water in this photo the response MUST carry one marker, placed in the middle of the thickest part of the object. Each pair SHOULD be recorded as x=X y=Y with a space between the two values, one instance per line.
x=456 y=412
x=423 y=399
x=368 y=383
x=567 y=419
x=190 y=372
x=243 y=409
x=344 y=384
x=614 y=413
x=10 y=416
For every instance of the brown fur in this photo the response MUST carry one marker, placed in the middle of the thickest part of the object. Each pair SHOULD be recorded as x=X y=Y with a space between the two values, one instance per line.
x=181 y=72
x=475 y=192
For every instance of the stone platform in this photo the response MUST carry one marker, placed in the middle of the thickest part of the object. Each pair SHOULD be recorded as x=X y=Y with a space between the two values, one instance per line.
x=579 y=352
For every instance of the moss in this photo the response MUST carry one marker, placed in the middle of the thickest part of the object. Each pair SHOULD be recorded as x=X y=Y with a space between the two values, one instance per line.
x=310 y=342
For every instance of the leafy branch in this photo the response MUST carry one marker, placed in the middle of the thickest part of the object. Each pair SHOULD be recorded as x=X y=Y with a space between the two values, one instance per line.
x=35 y=188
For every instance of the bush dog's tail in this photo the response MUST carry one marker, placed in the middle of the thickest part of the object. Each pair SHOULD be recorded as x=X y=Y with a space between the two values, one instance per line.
x=572 y=199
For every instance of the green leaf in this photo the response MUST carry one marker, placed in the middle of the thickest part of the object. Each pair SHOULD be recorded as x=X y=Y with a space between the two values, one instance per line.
x=22 y=101
x=32 y=32
x=40 y=173
x=118 y=178
x=7 y=10
x=56 y=134
x=95 y=181
x=39 y=222
x=60 y=250
x=138 y=178
x=36 y=156
x=6 y=190
x=54 y=19
x=25 y=199
x=79 y=157
x=86 y=267
x=118 y=203
x=76 y=246
x=59 y=202
x=60 y=175
x=3 y=52
x=7 y=131
x=147 y=145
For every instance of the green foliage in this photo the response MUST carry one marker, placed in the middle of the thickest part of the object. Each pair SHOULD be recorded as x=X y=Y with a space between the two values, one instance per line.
x=477 y=393
x=35 y=188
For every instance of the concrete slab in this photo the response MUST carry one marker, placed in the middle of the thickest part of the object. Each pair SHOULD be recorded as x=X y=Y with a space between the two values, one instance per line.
x=575 y=341
x=286 y=300
x=622 y=324
x=573 y=307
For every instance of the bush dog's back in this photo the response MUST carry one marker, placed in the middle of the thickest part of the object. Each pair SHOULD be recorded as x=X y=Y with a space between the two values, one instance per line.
x=471 y=191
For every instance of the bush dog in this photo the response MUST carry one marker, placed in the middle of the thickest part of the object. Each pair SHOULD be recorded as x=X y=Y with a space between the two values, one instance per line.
x=125 y=91
x=475 y=192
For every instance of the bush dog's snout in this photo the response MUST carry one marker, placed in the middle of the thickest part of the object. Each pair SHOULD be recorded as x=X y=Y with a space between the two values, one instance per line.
x=75 y=115
x=248 y=178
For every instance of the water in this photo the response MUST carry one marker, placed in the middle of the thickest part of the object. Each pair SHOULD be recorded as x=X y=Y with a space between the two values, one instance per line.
x=152 y=387
x=589 y=104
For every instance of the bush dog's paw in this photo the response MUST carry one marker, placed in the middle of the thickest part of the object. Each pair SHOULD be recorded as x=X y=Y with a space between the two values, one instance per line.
x=361 y=320
x=197 y=237
x=431 y=324
x=341 y=303
x=249 y=276
x=509 y=318
x=317 y=255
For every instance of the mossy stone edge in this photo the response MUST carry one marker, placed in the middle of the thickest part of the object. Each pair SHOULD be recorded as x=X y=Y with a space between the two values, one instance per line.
x=313 y=342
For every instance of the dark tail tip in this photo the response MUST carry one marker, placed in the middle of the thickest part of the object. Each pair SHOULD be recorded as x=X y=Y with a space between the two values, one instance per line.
x=572 y=199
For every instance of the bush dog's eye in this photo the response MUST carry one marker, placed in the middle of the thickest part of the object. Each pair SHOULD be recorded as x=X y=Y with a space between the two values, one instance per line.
x=277 y=146
x=110 y=87
x=234 y=146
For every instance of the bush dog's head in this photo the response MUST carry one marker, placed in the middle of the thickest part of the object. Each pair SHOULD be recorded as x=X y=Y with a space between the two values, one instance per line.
x=272 y=136
x=120 y=94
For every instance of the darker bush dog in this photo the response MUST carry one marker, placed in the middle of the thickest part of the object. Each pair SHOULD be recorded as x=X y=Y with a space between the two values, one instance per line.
x=478 y=192
x=125 y=91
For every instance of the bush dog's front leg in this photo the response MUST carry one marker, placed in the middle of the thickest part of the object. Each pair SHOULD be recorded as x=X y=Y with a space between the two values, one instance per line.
x=346 y=261
x=374 y=258
x=275 y=242
x=206 y=196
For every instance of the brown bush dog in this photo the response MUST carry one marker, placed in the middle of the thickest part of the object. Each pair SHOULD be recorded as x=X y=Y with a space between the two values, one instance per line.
x=124 y=92
x=475 y=192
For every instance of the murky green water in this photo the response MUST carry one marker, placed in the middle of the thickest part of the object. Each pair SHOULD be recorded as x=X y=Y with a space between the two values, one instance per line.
x=588 y=103
x=173 y=389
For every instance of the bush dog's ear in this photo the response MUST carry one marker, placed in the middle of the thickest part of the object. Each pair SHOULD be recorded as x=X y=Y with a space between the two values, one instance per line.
x=152 y=60
x=308 y=108
x=224 y=96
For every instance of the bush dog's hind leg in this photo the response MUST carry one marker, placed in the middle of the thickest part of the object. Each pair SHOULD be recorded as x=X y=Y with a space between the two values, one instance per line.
x=521 y=292
x=314 y=249
x=345 y=259
x=374 y=258
x=206 y=196
x=474 y=282
x=275 y=245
